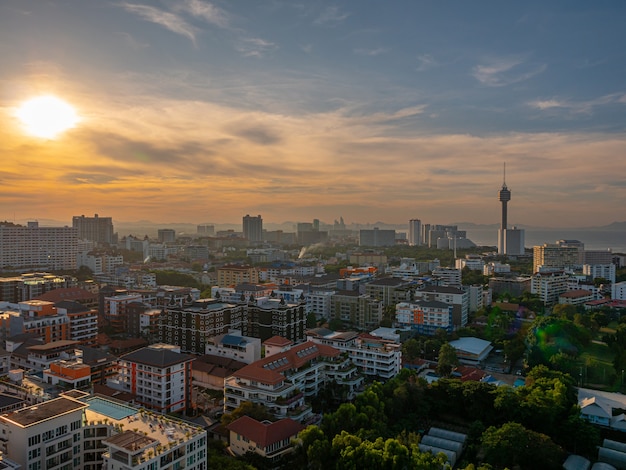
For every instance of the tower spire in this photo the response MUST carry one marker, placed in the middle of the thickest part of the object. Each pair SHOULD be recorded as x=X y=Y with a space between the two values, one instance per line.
x=504 y=176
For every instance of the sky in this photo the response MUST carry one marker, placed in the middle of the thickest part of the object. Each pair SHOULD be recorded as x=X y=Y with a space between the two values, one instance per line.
x=204 y=111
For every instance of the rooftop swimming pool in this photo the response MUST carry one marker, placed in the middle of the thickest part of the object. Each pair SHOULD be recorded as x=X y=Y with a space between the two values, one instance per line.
x=111 y=409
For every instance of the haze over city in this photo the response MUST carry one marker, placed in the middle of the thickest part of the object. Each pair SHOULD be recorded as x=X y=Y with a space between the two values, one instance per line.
x=195 y=111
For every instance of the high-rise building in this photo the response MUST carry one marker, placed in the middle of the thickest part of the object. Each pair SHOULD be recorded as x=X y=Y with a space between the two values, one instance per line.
x=253 y=228
x=166 y=235
x=553 y=256
x=97 y=229
x=377 y=237
x=34 y=247
x=510 y=241
x=415 y=232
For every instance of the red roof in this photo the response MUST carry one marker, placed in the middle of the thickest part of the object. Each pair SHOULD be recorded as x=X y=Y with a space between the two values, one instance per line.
x=68 y=293
x=278 y=341
x=265 y=434
x=269 y=369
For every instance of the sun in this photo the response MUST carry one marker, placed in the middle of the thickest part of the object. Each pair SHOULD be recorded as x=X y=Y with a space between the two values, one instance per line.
x=47 y=116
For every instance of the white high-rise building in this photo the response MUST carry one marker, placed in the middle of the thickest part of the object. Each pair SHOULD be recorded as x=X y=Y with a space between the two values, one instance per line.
x=35 y=247
x=415 y=232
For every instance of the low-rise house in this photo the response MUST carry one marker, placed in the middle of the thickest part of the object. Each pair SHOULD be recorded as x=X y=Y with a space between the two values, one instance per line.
x=269 y=440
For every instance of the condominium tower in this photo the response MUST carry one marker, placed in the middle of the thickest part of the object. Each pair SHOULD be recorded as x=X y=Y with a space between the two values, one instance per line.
x=253 y=228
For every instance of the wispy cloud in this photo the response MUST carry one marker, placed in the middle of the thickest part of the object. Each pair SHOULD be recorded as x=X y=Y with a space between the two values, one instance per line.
x=426 y=62
x=578 y=107
x=331 y=16
x=205 y=11
x=371 y=52
x=506 y=71
x=172 y=22
x=255 y=47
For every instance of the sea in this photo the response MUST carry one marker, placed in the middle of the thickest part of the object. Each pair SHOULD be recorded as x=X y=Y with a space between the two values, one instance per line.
x=594 y=239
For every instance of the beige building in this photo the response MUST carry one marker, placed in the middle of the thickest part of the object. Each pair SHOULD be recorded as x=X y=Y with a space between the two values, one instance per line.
x=554 y=256
x=231 y=275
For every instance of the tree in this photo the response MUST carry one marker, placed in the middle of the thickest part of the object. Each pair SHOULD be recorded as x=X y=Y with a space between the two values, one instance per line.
x=448 y=360
x=513 y=445
x=248 y=408
x=411 y=350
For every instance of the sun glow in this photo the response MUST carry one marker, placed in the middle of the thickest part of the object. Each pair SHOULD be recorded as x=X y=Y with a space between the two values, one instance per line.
x=47 y=116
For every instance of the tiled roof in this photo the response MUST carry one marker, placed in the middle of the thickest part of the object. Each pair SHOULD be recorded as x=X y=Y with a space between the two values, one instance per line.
x=575 y=294
x=277 y=341
x=269 y=369
x=265 y=434
x=68 y=293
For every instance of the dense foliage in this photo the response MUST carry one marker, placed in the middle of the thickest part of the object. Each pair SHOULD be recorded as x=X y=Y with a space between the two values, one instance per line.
x=380 y=429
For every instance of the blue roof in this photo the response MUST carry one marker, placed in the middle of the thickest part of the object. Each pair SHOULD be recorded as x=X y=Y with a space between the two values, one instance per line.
x=231 y=340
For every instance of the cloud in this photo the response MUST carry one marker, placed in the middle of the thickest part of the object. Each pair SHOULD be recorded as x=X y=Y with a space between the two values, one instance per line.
x=371 y=52
x=331 y=16
x=578 y=107
x=258 y=134
x=506 y=71
x=170 y=21
x=255 y=47
x=426 y=62
x=204 y=10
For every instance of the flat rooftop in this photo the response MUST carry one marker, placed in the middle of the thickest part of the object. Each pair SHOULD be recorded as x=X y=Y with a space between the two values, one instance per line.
x=43 y=411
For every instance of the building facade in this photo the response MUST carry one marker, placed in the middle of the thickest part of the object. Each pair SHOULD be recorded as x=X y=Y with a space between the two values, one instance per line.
x=96 y=229
x=34 y=247
x=253 y=228
x=160 y=377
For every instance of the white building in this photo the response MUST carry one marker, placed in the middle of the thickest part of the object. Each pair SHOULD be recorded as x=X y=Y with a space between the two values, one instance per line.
x=415 y=232
x=473 y=262
x=549 y=285
x=283 y=380
x=373 y=355
x=81 y=432
x=447 y=276
x=605 y=271
x=618 y=291
x=495 y=267
x=511 y=241
x=318 y=301
x=425 y=317
x=51 y=248
x=458 y=298
x=159 y=375
x=235 y=346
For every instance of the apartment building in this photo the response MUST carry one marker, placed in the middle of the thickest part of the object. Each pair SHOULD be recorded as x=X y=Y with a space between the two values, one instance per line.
x=557 y=256
x=159 y=375
x=231 y=275
x=374 y=356
x=604 y=271
x=458 y=298
x=389 y=290
x=78 y=431
x=190 y=326
x=276 y=317
x=34 y=247
x=549 y=285
x=424 y=316
x=360 y=311
x=96 y=229
x=282 y=381
x=83 y=321
x=447 y=277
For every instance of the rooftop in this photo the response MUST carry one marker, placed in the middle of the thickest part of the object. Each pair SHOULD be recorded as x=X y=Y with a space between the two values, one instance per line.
x=43 y=411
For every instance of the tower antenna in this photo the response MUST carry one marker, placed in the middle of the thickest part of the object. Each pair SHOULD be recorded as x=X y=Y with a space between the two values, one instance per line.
x=504 y=176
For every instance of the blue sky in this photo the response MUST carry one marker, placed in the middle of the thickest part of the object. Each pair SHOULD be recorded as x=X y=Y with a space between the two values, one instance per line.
x=197 y=111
